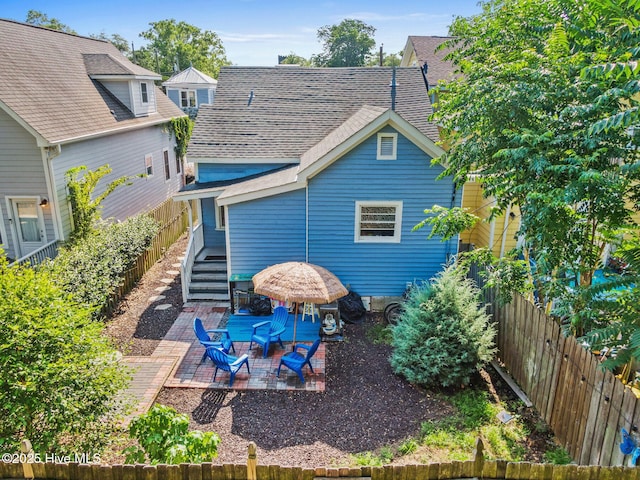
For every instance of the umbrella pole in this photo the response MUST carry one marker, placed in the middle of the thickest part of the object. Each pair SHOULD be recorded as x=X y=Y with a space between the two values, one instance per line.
x=295 y=324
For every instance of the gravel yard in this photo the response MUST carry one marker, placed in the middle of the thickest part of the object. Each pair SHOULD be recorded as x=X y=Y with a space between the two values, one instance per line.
x=365 y=406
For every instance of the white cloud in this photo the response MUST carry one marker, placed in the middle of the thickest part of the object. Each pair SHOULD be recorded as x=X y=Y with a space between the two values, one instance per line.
x=232 y=37
x=379 y=17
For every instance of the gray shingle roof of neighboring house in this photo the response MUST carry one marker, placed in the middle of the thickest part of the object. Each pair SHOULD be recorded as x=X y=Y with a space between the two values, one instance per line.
x=45 y=82
x=425 y=51
x=190 y=77
x=294 y=108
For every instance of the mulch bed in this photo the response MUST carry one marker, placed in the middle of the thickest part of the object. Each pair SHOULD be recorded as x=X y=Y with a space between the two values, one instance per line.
x=365 y=405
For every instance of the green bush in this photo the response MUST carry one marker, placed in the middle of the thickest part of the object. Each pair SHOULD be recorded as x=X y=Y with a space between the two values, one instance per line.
x=59 y=377
x=163 y=436
x=444 y=334
x=93 y=268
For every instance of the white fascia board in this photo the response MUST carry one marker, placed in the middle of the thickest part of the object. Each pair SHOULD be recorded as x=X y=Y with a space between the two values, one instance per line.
x=197 y=194
x=388 y=118
x=105 y=133
x=236 y=160
x=40 y=140
x=125 y=77
x=267 y=192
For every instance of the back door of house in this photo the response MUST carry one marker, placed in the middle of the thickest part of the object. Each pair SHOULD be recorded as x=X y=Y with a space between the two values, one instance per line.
x=28 y=224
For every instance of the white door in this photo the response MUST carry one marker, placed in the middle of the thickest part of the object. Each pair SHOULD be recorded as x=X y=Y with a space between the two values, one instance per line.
x=28 y=225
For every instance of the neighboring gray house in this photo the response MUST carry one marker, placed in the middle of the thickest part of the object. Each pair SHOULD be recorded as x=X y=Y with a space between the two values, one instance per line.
x=326 y=165
x=66 y=101
x=189 y=89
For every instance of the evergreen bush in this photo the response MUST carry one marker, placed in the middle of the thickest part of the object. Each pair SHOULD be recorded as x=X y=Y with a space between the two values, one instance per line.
x=444 y=334
x=93 y=268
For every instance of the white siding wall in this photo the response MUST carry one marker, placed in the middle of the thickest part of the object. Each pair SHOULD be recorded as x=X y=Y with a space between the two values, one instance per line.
x=21 y=174
x=139 y=108
x=125 y=154
x=121 y=90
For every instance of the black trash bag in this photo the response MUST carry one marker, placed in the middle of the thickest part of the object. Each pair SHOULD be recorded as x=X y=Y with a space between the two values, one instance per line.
x=351 y=308
x=260 y=306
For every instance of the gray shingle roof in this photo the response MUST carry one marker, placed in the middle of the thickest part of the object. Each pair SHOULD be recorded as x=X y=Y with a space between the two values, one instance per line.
x=45 y=81
x=294 y=108
x=425 y=50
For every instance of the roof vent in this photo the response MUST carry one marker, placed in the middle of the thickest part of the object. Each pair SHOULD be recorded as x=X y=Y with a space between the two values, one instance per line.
x=393 y=86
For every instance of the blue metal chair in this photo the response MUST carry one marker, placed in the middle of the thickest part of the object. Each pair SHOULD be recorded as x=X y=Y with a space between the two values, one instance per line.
x=224 y=342
x=226 y=362
x=277 y=326
x=296 y=361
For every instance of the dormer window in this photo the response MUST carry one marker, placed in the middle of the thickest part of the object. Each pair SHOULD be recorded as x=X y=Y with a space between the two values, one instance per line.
x=188 y=98
x=144 y=93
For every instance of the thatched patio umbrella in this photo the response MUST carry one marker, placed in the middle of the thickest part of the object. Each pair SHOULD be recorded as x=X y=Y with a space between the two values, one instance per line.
x=298 y=282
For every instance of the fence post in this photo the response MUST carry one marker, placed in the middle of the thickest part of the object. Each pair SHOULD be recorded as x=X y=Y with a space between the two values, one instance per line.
x=251 y=462
x=478 y=458
x=27 y=453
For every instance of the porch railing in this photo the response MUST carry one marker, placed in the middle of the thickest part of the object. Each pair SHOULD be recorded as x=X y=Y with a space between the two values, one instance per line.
x=196 y=243
x=50 y=250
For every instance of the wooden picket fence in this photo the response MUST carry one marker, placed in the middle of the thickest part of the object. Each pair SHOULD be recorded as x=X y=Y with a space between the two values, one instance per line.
x=173 y=218
x=585 y=405
x=479 y=467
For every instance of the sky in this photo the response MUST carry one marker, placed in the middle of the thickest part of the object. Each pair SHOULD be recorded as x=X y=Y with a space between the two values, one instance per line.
x=253 y=32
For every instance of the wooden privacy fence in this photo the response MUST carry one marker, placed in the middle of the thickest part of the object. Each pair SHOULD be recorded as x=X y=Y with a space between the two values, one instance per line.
x=479 y=467
x=173 y=218
x=584 y=405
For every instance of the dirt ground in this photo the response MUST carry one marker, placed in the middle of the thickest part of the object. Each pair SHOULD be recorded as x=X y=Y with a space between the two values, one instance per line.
x=365 y=406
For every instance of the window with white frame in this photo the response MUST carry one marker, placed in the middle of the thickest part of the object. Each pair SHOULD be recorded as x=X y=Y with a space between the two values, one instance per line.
x=167 y=170
x=378 y=222
x=187 y=98
x=220 y=220
x=148 y=165
x=387 y=146
x=144 y=93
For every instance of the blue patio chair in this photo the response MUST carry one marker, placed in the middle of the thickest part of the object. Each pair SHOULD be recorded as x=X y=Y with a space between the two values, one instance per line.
x=224 y=342
x=226 y=362
x=296 y=361
x=277 y=326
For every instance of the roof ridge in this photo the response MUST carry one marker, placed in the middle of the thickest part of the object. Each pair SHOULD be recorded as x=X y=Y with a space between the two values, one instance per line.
x=47 y=29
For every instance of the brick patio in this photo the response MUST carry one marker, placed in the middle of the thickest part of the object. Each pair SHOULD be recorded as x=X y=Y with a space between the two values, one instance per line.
x=189 y=372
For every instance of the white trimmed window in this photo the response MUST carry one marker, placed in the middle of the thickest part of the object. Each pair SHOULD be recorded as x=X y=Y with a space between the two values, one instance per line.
x=387 y=146
x=148 y=165
x=187 y=98
x=220 y=220
x=378 y=222
x=144 y=93
x=167 y=170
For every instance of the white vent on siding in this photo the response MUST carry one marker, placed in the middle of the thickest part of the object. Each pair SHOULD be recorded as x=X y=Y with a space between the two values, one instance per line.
x=387 y=146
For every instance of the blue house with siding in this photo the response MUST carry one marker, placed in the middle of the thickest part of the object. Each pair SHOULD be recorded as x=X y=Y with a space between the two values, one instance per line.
x=329 y=166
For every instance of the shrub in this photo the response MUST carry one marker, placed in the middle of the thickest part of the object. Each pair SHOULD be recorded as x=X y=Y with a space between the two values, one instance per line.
x=93 y=268
x=164 y=437
x=60 y=377
x=444 y=334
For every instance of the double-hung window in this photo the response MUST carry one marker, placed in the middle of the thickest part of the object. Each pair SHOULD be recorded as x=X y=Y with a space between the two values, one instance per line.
x=144 y=93
x=148 y=165
x=188 y=98
x=167 y=170
x=378 y=222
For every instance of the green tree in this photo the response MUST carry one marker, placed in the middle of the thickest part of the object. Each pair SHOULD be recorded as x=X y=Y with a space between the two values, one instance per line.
x=117 y=40
x=444 y=334
x=388 y=60
x=35 y=17
x=347 y=44
x=293 y=59
x=59 y=377
x=85 y=210
x=178 y=45
x=521 y=118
